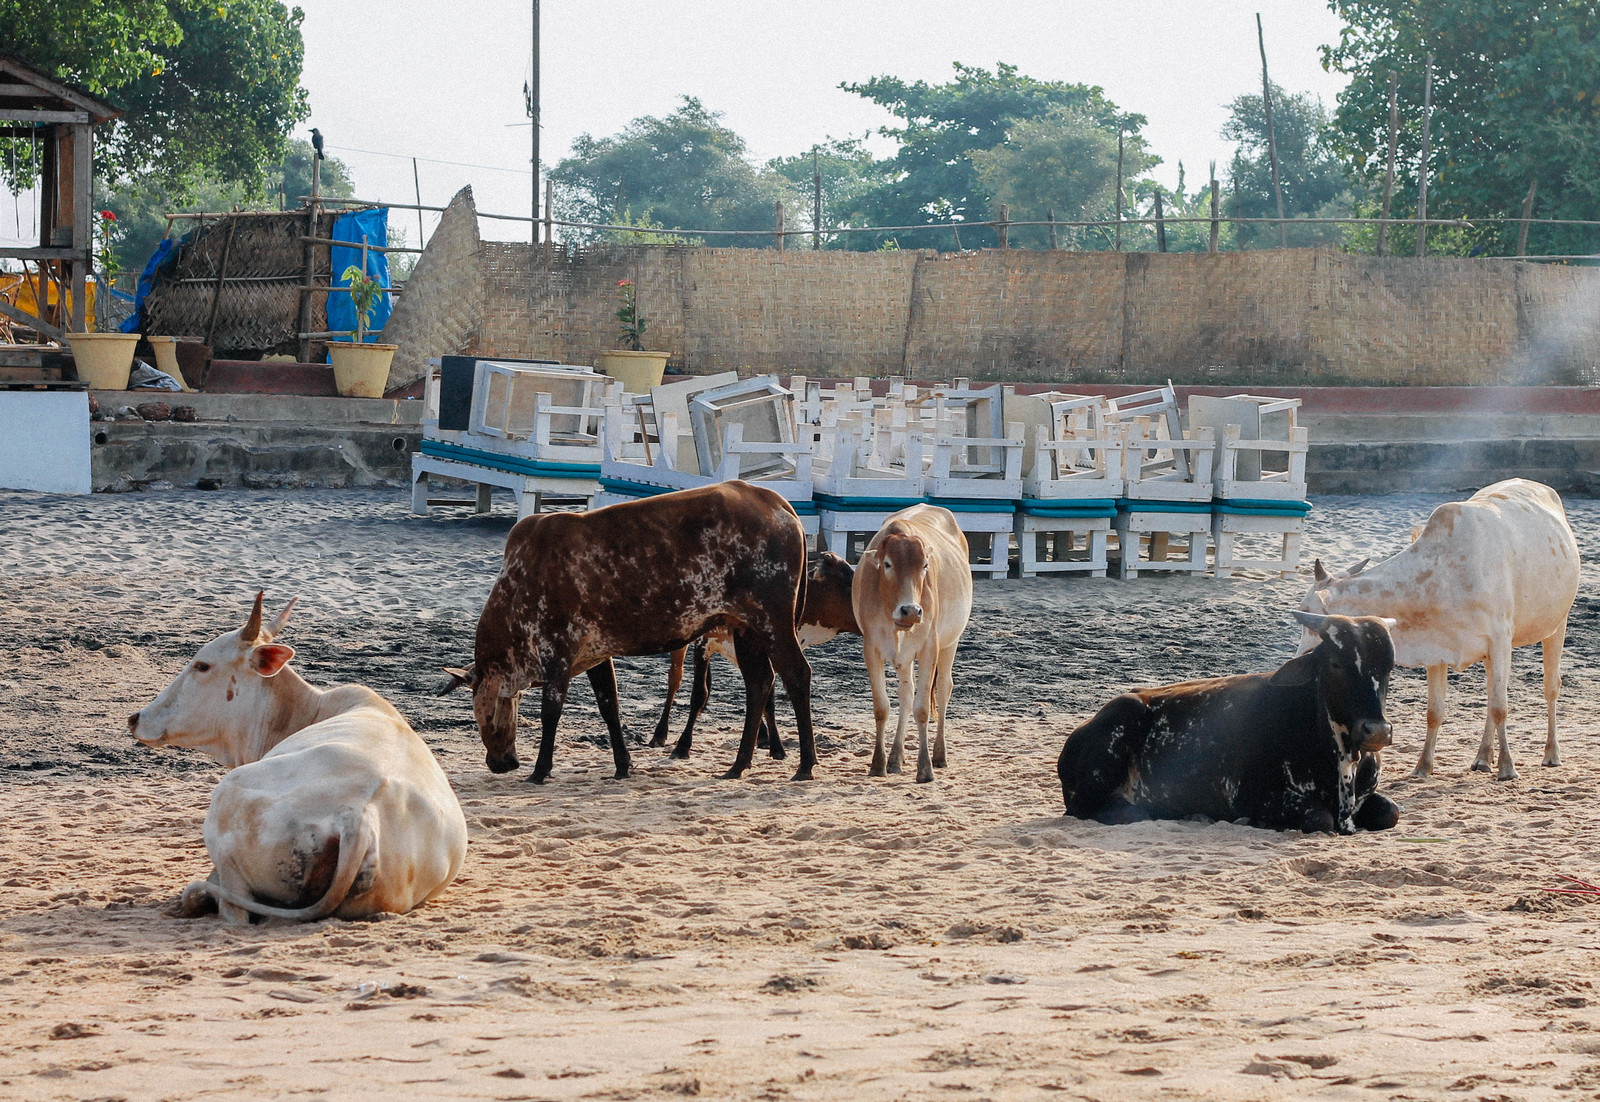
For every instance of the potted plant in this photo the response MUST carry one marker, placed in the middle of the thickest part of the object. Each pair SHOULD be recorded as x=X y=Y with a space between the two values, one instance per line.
x=105 y=359
x=360 y=370
x=638 y=369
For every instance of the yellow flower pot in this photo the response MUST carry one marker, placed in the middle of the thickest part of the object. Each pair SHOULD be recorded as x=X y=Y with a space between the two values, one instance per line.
x=639 y=371
x=104 y=359
x=360 y=370
x=166 y=350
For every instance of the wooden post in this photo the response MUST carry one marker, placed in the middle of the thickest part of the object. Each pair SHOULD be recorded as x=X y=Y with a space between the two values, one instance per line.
x=1216 y=211
x=1238 y=230
x=304 y=352
x=82 y=228
x=416 y=181
x=1003 y=227
x=1527 y=212
x=222 y=275
x=778 y=223
x=1050 y=216
x=1120 y=132
x=549 y=219
x=1422 y=163
x=1388 y=175
x=1161 y=225
x=1272 y=139
x=816 y=201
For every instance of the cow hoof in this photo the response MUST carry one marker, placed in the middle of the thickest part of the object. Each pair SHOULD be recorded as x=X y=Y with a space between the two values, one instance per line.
x=621 y=775
x=536 y=777
x=659 y=740
x=939 y=762
x=876 y=770
x=1480 y=767
x=894 y=767
x=1505 y=776
x=924 y=778
x=1551 y=761
x=679 y=754
x=802 y=774
x=733 y=774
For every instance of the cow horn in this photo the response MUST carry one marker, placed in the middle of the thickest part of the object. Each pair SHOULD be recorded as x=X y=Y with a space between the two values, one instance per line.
x=1318 y=572
x=1311 y=620
x=1357 y=568
x=458 y=678
x=280 y=620
x=252 y=627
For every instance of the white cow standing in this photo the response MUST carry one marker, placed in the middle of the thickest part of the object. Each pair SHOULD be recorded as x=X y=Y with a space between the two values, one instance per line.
x=333 y=805
x=1497 y=571
x=912 y=596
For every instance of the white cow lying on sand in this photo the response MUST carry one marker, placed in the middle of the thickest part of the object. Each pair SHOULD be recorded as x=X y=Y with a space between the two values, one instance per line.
x=332 y=806
x=912 y=596
x=1497 y=571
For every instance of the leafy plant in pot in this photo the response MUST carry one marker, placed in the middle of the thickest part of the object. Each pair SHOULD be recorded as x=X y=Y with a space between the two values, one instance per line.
x=361 y=370
x=638 y=368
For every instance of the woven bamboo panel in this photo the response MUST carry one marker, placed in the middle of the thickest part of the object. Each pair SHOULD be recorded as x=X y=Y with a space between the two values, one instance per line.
x=442 y=308
x=1016 y=315
x=258 y=307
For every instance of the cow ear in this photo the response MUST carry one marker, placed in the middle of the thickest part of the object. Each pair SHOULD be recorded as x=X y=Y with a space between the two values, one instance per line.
x=269 y=658
x=1296 y=672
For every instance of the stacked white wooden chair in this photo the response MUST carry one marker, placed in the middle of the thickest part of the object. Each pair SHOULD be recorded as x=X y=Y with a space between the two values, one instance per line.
x=1167 y=484
x=975 y=469
x=1072 y=476
x=737 y=428
x=1259 y=506
x=871 y=473
x=533 y=429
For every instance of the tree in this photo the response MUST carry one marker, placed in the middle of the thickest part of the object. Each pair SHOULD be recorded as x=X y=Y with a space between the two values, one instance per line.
x=210 y=87
x=1064 y=161
x=141 y=206
x=932 y=177
x=849 y=174
x=1515 y=86
x=684 y=171
x=1310 y=170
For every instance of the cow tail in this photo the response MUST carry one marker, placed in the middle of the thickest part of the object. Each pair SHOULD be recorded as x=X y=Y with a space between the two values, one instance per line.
x=800 y=594
x=355 y=840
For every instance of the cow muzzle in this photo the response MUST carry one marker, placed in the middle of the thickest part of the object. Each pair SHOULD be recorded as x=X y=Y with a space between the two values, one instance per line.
x=133 y=729
x=908 y=615
x=1373 y=735
x=501 y=763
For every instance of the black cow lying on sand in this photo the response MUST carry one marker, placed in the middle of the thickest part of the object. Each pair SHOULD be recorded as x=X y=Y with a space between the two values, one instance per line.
x=1291 y=750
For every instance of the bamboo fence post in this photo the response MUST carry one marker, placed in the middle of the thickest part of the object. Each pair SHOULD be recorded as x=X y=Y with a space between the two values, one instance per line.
x=1119 y=188
x=1050 y=216
x=777 y=231
x=1527 y=211
x=1422 y=170
x=1388 y=175
x=1238 y=238
x=1216 y=210
x=310 y=258
x=1003 y=227
x=222 y=275
x=416 y=182
x=1272 y=140
x=816 y=201
x=1161 y=225
x=549 y=226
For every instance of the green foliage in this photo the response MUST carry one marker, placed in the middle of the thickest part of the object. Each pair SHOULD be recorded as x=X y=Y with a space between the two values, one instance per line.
x=633 y=322
x=1064 y=161
x=1516 y=94
x=1309 y=168
x=648 y=232
x=849 y=174
x=932 y=177
x=141 y=206
x=684 y=171
x=210 y=87
x=364 y=295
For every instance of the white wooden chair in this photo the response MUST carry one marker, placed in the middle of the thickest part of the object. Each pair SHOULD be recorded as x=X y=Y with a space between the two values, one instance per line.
x=519 y=437
x=856 y=494
x=1163 y=498
x=1257 y=523
x=976 y=472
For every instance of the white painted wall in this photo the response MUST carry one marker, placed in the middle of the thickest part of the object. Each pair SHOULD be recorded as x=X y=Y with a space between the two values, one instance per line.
x=44 y=441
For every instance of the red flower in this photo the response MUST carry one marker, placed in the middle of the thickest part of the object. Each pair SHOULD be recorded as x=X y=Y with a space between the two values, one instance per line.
x=109 y=216
x=624 y=283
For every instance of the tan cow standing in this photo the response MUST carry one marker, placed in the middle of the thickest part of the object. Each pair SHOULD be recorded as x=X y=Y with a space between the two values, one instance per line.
x=1485 y=575
x=913 y=597
x=332 y=804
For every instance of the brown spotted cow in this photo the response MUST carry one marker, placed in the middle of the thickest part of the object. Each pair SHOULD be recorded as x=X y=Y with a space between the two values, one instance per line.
x=827 y=612
x=642 y=577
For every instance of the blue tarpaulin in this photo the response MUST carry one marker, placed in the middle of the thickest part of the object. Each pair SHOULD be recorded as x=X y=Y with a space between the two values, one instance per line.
x=374 y=226
x=146 y=278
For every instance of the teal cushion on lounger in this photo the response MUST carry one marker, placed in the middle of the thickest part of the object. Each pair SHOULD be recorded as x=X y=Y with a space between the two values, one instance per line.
x=974 y=505
x=1251 y=507
x=834 y=503
x=512 y=463
x=1135 y=505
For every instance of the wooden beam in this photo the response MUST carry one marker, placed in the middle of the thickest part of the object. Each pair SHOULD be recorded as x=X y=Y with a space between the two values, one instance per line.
x=8 y=89
x=82 y=231
x=55 y=252
x=38 y=325
x=28 y=114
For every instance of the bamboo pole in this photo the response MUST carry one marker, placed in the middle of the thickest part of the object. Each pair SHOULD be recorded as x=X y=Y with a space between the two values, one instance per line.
x=1050 y=217
x=777 y=231
x=1527 y=209
x=304 y=351
x=1422 y=169
x=1161 y=225
x=416 y=181
x=222 y=275
x=1388 y=175
x=1272 y=139
x=1120 y=132
x=816 y=201
x=1003 y=227
x=1216 y=211
x=549 y=225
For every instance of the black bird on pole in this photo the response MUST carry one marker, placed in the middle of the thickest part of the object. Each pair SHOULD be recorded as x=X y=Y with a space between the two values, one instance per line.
x=316 y=142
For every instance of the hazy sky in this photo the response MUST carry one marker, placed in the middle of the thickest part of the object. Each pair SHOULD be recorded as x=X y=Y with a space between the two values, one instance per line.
x=441 y=80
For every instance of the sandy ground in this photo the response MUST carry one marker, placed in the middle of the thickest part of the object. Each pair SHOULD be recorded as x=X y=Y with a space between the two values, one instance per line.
x=675 y=934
